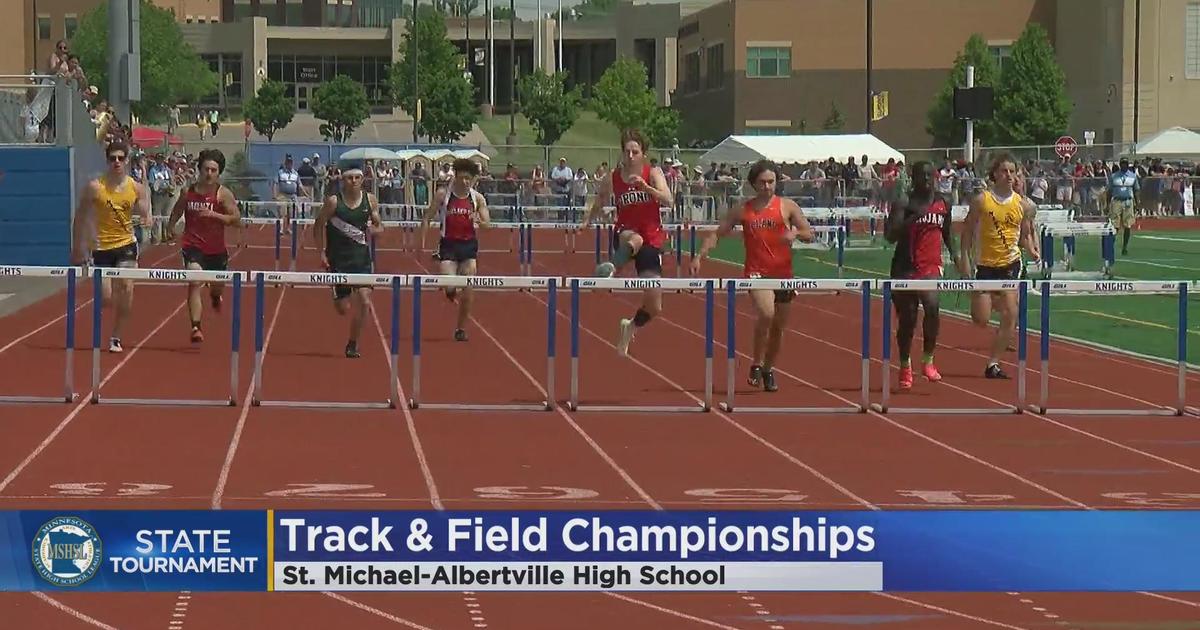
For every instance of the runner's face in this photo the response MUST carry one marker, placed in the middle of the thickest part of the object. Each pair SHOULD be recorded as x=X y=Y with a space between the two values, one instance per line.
x=1005 y=174
x=353 y=182
x=209 y=172
x=633 y=153
x=463 y=180
x=116 y=161
x=765 y=184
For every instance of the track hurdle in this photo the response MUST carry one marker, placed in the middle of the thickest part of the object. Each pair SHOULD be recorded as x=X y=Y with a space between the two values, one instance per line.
x=182 y=276
x=70 y=273
x=484 y=283
x=326 y=279
x=890 y=286
x=1049 y=288
x=640 y=284
x=733 y=287
x=1069 y=231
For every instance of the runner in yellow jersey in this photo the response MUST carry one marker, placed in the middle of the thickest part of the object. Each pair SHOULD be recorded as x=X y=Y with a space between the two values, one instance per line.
x=106 y=205
x=1000 y=223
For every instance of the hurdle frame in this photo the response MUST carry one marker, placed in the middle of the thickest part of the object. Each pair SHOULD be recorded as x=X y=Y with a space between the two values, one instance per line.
x=1131 y=287
x=974 y=286
x=484 y=283
x=71 y=273
x=190 y=276
x=734 y=287
x=638 y=284
x=394 y=282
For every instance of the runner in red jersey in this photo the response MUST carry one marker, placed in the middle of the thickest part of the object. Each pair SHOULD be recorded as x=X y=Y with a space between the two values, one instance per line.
x=207 y=209
x=770 y=224
x=919 y=225
x=639 y=192
x=460 y=209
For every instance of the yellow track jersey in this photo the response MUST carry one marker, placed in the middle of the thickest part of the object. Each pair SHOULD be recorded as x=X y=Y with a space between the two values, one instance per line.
x=114 y=213
x=999 y=230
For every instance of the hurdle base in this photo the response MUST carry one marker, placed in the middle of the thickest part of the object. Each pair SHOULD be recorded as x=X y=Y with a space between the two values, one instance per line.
x=164 y=402
x=726 y=407
x=318 y=404
x=699 y=408
x=948 y=411
x=27 y=400
x=412 y=404
x=1053 y=411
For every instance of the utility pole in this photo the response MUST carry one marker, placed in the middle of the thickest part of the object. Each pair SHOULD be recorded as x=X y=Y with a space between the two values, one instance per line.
x=558 y=25
x=1137 y=68
x=969 y=150
x=870 y=37
x=416 y=53
x=513 y=65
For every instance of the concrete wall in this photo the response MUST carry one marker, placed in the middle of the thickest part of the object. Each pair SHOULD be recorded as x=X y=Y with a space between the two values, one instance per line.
x=35 y=205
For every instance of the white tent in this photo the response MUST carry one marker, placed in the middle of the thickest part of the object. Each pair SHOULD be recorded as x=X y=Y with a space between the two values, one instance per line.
x=790 y=149
x=1175 y=142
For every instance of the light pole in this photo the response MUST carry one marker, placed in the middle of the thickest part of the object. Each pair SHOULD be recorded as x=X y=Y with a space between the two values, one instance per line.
x=558 y=25
x=512 y=54
x=870 y=28
x=412 y=34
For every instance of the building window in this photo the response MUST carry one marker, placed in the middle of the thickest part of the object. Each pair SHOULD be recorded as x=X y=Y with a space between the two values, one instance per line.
x=43 y=27
x=1000 y=52
x=767 y=131
x=1191 y=68
x=762 y=62
x=714 y=75
x=70 y=25
x=691 y=72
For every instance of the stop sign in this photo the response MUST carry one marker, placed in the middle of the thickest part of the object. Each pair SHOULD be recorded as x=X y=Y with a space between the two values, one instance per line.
x=1066 y=147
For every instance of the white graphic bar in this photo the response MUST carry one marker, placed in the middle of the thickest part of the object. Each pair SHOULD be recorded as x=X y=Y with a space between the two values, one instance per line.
x=1113 y=286
x=797 y=284
x=169 y=275
x=329 y=279
x=957 y=285
x=32 y=271
x=485 y=282
x=579 y=576
x=640 y=284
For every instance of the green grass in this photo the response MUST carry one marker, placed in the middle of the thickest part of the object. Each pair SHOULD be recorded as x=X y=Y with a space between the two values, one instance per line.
x=588 y=143
x=1145 y=324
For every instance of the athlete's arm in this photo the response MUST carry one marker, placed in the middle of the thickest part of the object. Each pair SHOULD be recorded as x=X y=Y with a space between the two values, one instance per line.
x=603 y=194
x=143 y=204
x=232 y=215
x=323 y=215
x=659 y=189
x=481 y=209
x=967 y=243
x=898 y=220
x=83 y=223
x=948 y=230
x=376 y=219
x=728 y=224
x=176 y=214
x=794 y=216
x=1027 y=239
x=435 y=200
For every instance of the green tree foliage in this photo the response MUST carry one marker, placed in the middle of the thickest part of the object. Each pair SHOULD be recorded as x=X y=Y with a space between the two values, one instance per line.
x=342 y=104
x=172 y=72
x=550 y=108
x=270 y=110
x=1032 y=106
x=501 y=13
x=622 y=97
x=836 y=120
x=940 y=122
x=663 y=129
x=595 y=8
x=447 y=100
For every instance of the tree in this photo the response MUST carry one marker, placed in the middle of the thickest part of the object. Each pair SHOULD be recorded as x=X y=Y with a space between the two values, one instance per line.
x=550 y=108
x=663 y=129
x=836 y=121
x=501 y=13
x=447 y=97
x=172 y=72
x=1032 y=106
x=622 y=97
x=596 y=8
x=342 y=104
x=269 y=110
x=940 y=122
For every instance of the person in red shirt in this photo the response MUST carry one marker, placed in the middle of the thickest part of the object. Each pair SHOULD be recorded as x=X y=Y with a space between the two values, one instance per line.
x=207 y=209
x=919 y=225
x=770 y=224
x=639 y=191
x=460 y=210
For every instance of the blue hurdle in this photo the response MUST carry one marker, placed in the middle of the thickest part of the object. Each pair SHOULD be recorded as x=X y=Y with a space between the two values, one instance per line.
x=733 y=287
x=70 y=273
x=182 y=276
x=484 y=283
x=974 y=286
x=394 y=282
x=640 y=284
x=1115 y=287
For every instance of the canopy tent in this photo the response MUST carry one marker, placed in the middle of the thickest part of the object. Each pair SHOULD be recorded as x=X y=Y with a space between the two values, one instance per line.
x=1176 y=142
x=791 y=149
x=151 y=138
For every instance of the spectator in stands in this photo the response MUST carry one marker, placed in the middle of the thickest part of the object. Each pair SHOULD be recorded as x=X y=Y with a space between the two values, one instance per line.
x=537 y=182
x=1123 y=187
x=308 y=176
x=288 y=190
x=945 y=183
x=160 y=186
x=29 y=121
x=201 y=124
x=867 y=180
x=560 y=178
x=1039 y=186
x=214 y=121
x=319 y=175
x=75 y=74
x=579 y=188
x=420 y=183
x=173 y=119
x=601 y=172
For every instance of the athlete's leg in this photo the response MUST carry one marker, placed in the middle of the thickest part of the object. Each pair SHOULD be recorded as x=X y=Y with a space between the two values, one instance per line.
x=465 y=268
x=195 y=306
x=448 y=267
x=1006 y=303
x=648 y=263
x=764 y=307
x=123 y=301
x=981 y=308
x=361 y=303
x=930 y=326
x=625 y=248
x=905 y=303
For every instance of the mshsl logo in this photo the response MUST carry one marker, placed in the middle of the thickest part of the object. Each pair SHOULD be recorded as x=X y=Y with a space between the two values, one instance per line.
x=67 y=551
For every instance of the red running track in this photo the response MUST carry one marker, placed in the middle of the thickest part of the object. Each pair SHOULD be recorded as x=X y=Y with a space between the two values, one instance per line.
x=89 y=456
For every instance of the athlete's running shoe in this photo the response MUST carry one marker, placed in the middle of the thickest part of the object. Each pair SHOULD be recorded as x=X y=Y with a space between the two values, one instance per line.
x=452 y=295
x=994 y=371
x=216 y=301
x=756 y=374
x=769 y=381
x=605 y=270
x=625 y=337
x=197 y=335
x=931 y=373
x=460 y=334
x=906 y=377
x=114 y=346
x=352 y=350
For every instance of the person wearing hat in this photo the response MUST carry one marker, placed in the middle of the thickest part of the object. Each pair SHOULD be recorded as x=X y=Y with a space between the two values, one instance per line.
x=287 y=190
x=321 y=173
x=1123 y=188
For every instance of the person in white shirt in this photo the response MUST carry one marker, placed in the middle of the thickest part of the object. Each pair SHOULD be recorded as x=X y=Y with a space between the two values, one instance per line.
x=560 y=178
x=579 y=188
x=287 y=190
x=945 y=183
